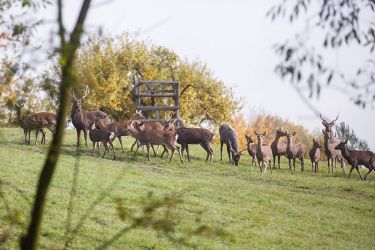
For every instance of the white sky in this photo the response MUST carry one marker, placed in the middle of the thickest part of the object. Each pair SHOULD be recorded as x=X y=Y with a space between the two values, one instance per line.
x=234 y=38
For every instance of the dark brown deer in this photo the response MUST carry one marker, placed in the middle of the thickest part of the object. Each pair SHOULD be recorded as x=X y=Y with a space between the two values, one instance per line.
x=357 y=157
x=83 y=119
x=315 y=155
x=229 y=137
x=264 y=153
x=294 y=151
x=278 y=147
x=251 y=149
x=154 y=137
x=103 y=136
x=36 y=122
x=188 y=136
x=330 y=142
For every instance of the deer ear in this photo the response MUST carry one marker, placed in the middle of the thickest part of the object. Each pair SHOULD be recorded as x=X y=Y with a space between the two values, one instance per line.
x=294 y=133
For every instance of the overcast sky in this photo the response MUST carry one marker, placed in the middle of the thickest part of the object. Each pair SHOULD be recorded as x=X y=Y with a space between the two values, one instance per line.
x=235 y=39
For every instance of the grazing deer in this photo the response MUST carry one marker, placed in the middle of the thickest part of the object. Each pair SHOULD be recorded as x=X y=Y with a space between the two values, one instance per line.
x=103 y=136
x=154 y=137
x=188 y=136
x=315 y=155
x=36 y=122
x=251 y=149
x=278 y=147
x=357 y=157
x=229 y=137
x=83 y=119
x=264 y=153
x=294 y=151
x=330 y=142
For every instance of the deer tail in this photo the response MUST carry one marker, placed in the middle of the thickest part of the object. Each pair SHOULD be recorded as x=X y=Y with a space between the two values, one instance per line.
x=112 y=136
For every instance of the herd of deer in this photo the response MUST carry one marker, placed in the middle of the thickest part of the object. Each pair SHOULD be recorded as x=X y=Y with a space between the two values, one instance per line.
x=172 y=131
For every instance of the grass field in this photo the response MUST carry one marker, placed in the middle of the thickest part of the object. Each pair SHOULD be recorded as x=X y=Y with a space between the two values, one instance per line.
x=279 y=210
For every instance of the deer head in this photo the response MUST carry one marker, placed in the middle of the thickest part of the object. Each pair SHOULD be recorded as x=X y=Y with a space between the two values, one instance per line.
x=343 y=145
x=280 y=132
x=236 y=156
x=249 y=139
x=328 y=125
x=138 y=115
x=289 y=137
x=77 y=102
x=316 y=143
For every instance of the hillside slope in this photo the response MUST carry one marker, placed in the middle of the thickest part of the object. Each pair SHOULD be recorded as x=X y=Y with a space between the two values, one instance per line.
x=281 y=210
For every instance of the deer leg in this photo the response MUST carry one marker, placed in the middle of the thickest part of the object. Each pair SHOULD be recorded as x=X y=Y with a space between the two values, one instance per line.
x=148 y=151
x=187 y=152
x=153 y=149
x=350 y=172
x=78 y=136
x=274 y=161
x=356 y=167
x=105 y=149
x=260 y=166
x=93 y=148
x=29 y=136
x=369 y=171
x=343 y=167
x=269 y=163
x=173 y=149
x=179 y=152
x=85 y=135
x=211 y=152
x=302 y=164
x=113 y=149
x=317 y=166
x=131 y=149
x=264 y=166
x=165 y=150
x=221 y=151
x=120 y=140
x=294 y=164
x=229 y=156
x=290 y=165
x=278 y=160
x=204 y=146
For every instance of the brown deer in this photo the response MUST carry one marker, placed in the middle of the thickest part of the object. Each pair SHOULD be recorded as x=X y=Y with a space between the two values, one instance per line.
x=357 y=157
x=251 y=149
x=36 y=122
x=294 y=151
x=315 y=155
x=330 y=142
x=264 y=153
x=278 y=147
x=83 y=119
x=154 y=137
x=103 y=136
x=188 y=136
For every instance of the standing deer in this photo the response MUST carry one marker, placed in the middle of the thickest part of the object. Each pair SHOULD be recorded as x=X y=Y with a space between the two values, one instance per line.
x=36 y=122
x=330 y=142
x=251 y=149
x=294 y=151
x=278 y=147
x=101 y=135
x=82 y=119
x=315 y=155
x=154 y=137
x=229 y=137
x=357 y=157
x=264 y=153
x=188 y=136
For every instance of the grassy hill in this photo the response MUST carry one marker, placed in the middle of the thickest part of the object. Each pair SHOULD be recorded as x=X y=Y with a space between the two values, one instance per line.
x=279 y=210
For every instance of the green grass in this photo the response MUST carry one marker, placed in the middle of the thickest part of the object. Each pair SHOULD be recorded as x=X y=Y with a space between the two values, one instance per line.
x=279 y=210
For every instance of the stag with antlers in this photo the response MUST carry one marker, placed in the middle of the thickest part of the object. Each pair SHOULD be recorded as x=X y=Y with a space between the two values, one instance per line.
x=330 y=142
x=82 y=119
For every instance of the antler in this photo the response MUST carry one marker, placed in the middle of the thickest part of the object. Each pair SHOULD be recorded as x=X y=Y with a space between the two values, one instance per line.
x=323 y=120
x=337 y=117
x=87 y=91
x=71 y=93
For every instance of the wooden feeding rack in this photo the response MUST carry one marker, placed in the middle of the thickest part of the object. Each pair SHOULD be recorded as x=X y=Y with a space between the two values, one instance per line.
x=157 y=89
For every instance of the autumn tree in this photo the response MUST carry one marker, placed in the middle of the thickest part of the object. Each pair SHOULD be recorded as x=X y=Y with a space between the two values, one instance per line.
x=108 y=66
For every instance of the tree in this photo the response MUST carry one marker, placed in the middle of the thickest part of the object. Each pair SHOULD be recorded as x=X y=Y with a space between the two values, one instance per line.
x=341 y=24
x=18 y=20
x=345 y=132
x=108 y=66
